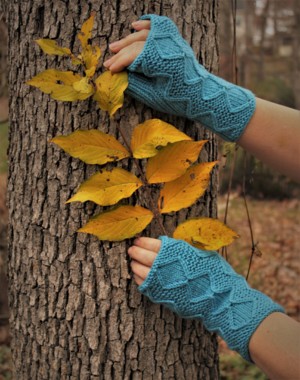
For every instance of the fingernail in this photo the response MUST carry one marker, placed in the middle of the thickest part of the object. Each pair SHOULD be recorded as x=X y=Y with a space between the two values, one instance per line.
x=106 y=63
x=135 y=23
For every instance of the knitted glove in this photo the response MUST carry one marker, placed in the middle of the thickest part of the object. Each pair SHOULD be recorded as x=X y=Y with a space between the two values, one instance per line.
x=167 y=77
x=202 y=285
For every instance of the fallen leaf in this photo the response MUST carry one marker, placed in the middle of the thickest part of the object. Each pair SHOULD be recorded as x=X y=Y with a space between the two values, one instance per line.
x=173 y=160
x=205 y=233
x=50 y=47
x=62 y=85
x=121 y=223
x=90 y=57
x=110 y=91
x=85 y=33
x=185 y=190
x=153 y=134
x=92 y=147
x=107 y=187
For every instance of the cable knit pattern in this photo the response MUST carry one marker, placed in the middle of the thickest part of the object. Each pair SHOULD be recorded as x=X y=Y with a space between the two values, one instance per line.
x=202 y=285
x=167 y=77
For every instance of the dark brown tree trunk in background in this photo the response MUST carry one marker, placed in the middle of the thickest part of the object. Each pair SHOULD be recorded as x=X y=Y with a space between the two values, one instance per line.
x=3 y=57
x=296 y=54
x=75 y=312
x=225 y=35
x=3 y=66
x=263 y=26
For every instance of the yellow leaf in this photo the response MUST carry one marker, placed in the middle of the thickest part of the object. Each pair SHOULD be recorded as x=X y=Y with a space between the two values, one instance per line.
x=61 y=85
x=172 y=161
x=83 y=86
x=205 y=233
x=110 y=90
x=85 y=33
x=107 y=187
x=121 y=223
x=92 y=147
x=151 y=134
x=185 y=190
x=90 y=57
x=50 y=47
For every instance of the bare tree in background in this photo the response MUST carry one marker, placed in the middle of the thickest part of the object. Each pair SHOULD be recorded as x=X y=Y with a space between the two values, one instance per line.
x=75 y=312
x=296 y=53
x=3 y=58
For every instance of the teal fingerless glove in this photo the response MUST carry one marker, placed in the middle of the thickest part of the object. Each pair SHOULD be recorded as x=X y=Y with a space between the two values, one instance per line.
x=167 y=77
x=202 y=285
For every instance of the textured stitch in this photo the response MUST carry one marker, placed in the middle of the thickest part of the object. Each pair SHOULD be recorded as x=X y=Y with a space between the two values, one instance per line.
x=167 y=77
x=201 y=284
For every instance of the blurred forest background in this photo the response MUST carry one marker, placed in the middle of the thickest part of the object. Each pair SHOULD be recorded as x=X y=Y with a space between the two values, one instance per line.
x=259 y=49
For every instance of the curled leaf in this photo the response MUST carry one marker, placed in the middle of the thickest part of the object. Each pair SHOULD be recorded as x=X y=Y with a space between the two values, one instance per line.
x=92 y=147
x=90 y=57
x=173 y=160
x=205 y=233
x=107 y=187
x=153 y=134
x=185 y=190
x=121 y=223
x=50 y=47
x=62 y=85
x=110 y=91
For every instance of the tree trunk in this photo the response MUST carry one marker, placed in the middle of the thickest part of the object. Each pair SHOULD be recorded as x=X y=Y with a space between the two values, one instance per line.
x=263 y=26
x=296 y=54
x=75 y=311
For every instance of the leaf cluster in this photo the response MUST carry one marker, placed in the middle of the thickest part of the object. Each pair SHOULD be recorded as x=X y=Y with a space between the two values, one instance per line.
x=107 y=89
x=171 y=161
x=171 y=156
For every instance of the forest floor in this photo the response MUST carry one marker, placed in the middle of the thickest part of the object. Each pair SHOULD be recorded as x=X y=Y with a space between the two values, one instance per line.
x=276 y=230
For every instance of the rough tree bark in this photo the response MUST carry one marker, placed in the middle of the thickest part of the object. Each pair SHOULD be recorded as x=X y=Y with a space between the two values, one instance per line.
x=75 y=312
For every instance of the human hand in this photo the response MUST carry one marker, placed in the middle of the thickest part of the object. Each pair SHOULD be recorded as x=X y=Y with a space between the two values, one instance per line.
x=129 y=48
x=200 y=285
x=143 y=253
x=165 y=75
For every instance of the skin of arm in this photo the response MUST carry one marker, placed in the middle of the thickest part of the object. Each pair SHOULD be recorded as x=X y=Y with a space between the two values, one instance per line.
x=275 y=345
x=273 y=133
x=273 y=136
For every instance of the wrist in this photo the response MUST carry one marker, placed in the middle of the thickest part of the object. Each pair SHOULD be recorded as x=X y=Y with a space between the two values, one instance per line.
x=167 y=77
x=202 y=285
x=247 y=309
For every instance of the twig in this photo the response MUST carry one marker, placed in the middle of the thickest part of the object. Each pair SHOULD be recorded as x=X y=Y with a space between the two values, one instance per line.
x=224 y=249
x=253 y=245
x=154 y=207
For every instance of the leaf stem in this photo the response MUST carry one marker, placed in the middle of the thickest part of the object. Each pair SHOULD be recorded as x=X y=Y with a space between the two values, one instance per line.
x=154 y=208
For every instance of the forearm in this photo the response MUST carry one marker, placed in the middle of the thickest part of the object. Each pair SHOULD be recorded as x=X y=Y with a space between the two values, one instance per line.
x=275 y=347
x=273 y=136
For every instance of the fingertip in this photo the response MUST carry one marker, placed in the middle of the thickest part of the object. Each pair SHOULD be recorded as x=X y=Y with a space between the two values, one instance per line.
x=129 y=250
x=114 y=68
x=138 y=279
x=141 y=24
x=115 y=47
